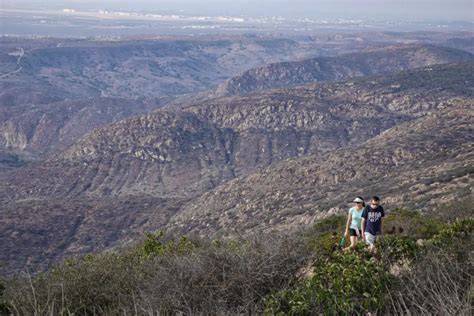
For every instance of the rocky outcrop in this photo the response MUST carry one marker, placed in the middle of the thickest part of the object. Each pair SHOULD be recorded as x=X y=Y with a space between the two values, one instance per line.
x=36 y=132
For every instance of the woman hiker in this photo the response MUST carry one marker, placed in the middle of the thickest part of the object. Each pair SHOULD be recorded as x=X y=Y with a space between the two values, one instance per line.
x=353 y=225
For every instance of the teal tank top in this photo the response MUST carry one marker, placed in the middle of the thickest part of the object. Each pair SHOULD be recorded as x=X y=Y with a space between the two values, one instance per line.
x=356 y=217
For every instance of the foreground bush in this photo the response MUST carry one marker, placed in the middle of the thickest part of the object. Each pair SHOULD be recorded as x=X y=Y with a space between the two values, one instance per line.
x=324 y=236
x=163 y=276
x=343 y=284
x=90 y=285
x=223 y=278
x=434 y=285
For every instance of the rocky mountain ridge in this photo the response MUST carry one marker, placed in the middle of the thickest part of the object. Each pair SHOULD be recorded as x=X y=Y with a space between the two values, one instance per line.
x=369 y=62
x=37 y=131
x=45 y=71
x=198 y=148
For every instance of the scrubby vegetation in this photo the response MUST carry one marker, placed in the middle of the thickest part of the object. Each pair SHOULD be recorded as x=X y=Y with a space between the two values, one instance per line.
x=166 y=275
x=424 y=266
x=410 y=275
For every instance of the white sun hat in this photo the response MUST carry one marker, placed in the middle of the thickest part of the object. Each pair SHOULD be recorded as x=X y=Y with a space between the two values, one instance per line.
x=358 y=200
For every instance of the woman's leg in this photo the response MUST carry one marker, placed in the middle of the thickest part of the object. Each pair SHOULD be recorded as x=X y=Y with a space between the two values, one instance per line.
x=353 y=242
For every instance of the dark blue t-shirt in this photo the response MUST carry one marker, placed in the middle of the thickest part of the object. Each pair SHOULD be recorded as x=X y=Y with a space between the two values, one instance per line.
x=373 y=218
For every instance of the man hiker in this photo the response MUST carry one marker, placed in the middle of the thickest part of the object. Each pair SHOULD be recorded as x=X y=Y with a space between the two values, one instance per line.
x=372 y=223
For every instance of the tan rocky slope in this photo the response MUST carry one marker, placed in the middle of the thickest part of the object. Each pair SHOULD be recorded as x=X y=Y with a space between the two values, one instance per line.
x=31 y=128
x=415 y=164
x=189 y=152
x=186 y=153
x=370 y=62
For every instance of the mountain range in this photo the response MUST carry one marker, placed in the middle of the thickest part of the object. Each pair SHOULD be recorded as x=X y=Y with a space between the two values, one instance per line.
x=368 y=62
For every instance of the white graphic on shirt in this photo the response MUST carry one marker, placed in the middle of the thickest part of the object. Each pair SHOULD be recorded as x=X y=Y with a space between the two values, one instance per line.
x=374 y=216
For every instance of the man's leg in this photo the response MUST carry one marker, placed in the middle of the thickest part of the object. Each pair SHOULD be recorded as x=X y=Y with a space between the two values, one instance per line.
x=370 y=241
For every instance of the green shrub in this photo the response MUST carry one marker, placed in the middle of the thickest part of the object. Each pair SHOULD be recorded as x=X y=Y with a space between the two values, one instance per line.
x=413 y=224
x=97 y=283
x=330 y=224
x=456 y=239
x=343 y=284
x=439 y=280
x=325 y=235
x=353 y=283
x=93 y=284
x=324 y=245
x=455 y=233
x=156 y=245
x=223 y=277
x=163 y=276
x=232 y=245
x=395 y=248
x=178 y=275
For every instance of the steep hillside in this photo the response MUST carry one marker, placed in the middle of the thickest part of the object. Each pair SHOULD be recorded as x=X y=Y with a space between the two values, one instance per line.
x=422 y=163
x=190 y=151
x=372 y=61
x=165 y=153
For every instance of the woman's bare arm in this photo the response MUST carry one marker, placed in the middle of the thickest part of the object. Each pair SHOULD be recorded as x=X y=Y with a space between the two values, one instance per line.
x=349 y=220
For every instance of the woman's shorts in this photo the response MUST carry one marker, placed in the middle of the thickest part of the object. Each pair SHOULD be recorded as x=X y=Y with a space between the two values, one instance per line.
x=353 y=232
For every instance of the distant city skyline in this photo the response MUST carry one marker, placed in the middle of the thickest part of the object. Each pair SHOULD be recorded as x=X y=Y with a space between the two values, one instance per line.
x=428 y=10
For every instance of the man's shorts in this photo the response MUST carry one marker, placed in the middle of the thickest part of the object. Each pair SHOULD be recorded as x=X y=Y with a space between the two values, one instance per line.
x=370 y=239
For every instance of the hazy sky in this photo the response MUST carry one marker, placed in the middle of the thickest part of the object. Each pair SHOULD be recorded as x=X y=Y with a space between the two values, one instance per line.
x=393 y=9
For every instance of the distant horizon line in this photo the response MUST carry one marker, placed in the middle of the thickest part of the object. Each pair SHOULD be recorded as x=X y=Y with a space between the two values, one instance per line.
x=167 y=13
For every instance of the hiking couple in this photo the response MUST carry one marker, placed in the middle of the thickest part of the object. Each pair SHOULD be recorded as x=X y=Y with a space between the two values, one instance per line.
x=364 y=222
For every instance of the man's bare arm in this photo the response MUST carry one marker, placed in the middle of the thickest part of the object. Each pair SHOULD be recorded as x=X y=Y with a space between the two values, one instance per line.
x=363 y=227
